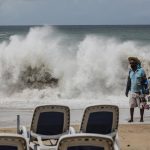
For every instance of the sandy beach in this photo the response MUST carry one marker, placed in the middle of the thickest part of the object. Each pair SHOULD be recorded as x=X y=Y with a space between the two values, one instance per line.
x=132 y=136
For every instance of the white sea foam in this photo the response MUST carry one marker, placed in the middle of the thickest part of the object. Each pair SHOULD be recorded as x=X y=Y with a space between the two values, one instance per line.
x=93 y=70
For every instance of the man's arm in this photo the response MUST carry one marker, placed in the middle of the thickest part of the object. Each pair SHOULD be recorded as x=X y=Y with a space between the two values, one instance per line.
x=144 y=83
x=128 y=86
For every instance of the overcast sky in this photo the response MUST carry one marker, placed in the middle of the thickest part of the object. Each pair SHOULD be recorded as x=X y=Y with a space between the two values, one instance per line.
x=74 y=12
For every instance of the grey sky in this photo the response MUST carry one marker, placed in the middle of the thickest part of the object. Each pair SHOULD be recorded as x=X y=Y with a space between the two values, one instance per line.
x=74 y=12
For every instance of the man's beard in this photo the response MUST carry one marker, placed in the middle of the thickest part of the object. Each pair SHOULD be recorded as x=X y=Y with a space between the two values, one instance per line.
x=133 y=67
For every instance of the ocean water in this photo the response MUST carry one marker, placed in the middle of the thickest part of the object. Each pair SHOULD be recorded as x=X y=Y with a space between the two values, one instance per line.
x=68 y=65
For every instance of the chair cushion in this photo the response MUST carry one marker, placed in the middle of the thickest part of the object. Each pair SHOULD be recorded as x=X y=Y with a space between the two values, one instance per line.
x=5 y=147
x=50 y=123
x=100 y=122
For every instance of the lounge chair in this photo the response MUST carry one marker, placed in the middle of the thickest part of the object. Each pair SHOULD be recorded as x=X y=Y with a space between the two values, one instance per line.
x=49 y=123
x=101 y=119
x=86 y=141
x=12 y=142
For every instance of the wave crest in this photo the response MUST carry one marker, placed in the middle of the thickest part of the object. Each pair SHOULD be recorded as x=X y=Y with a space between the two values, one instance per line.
x=89 y=67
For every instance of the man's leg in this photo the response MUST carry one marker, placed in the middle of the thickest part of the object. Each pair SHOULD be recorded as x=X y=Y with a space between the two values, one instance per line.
x=131 y=114
x=141 y=103
x=141 y=113
x=132 y=102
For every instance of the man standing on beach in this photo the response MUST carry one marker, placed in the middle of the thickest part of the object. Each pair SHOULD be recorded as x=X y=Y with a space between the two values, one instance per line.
x=135 y=83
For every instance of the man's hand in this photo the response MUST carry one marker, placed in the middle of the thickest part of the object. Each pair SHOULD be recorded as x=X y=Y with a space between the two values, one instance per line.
x=126 y=94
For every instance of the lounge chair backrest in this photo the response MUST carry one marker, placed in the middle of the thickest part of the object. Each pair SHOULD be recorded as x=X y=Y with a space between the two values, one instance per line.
x=85 y=142
x=102 y=119
x=12 y=142
x=50 y=119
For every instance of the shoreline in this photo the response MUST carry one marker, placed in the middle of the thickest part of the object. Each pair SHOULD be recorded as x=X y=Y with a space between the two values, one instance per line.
x=9 y=116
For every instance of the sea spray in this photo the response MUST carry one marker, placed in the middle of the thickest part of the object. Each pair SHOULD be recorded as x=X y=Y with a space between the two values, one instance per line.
x=92 y=67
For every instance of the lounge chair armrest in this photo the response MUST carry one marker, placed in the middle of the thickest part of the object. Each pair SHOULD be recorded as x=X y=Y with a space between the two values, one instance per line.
x=116 y=146
x=117 y=140
x=113 y=134
x=72 y=130
x=115 y=137
x=24 y=132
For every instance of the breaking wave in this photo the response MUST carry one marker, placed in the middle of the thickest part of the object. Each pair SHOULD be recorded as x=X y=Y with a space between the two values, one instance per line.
x=45 y=63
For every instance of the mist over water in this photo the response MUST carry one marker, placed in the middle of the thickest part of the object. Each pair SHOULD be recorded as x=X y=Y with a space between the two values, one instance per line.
x=46 y=65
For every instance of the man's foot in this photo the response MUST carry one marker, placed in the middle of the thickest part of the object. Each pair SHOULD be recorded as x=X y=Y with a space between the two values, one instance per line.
x=141 y=120
x=130 y=120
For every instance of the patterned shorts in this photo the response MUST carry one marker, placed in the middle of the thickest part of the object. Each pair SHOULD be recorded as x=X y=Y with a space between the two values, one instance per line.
x=135 y=101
